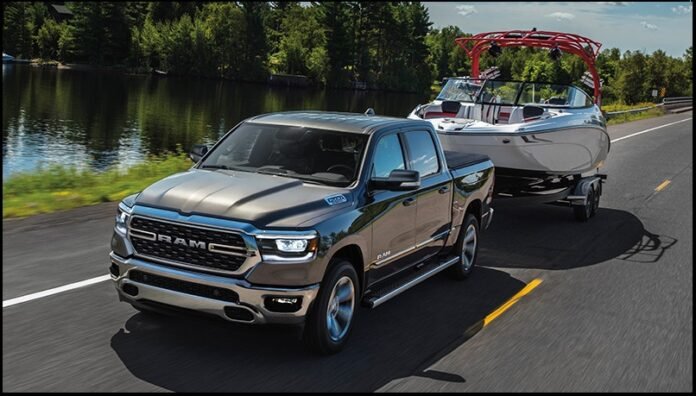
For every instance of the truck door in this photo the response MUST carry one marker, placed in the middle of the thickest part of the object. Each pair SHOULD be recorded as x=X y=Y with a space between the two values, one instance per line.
x=393 y=213
x=433 y=213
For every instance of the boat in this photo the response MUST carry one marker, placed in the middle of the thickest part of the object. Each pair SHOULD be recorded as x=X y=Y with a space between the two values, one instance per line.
x=7 y=58
x=543 y=137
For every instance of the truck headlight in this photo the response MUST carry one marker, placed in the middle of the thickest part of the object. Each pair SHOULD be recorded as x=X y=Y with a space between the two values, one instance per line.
x=295 y=249
x=122 y=216
x=291 y=245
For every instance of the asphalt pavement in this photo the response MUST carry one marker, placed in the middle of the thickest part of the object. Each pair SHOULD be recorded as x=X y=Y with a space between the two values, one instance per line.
x=614 y=311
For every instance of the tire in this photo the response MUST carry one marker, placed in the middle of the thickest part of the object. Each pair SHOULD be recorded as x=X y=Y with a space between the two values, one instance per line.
x=326 y=330
x=584 y=212
x=466 y=247
x=595 y=202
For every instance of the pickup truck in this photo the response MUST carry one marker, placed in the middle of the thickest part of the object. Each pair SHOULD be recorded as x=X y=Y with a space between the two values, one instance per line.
x=298 y=217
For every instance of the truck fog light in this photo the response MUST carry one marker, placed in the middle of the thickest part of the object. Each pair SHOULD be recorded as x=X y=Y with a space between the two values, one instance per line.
x=291 y=245
x=283 y=304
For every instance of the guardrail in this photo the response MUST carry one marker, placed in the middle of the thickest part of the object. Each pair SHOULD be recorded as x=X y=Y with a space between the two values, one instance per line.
x=667 y=103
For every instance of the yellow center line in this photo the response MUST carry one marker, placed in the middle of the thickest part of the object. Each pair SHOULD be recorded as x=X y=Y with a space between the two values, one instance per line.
x=526 y=290
x=663 y=185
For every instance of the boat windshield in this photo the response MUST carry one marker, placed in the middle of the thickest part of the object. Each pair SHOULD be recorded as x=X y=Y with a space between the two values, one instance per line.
x=460 y=90
x=513 y=93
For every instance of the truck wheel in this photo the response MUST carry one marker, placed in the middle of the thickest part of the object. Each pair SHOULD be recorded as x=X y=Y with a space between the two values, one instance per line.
x=584 y=212
x=466 y=248
x=330 y=320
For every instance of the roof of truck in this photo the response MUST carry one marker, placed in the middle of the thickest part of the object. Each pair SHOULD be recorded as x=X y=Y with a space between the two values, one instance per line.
x=336 y=121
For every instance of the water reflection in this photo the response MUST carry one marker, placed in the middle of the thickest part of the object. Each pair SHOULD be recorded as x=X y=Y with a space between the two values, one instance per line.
x=101 y=119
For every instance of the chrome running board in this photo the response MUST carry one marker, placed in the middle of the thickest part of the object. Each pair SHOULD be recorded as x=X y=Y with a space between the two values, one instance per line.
x=386 y=293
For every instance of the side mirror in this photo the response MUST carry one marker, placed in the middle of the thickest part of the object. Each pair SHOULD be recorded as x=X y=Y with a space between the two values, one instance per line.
x=197 y=152
x=398 y=180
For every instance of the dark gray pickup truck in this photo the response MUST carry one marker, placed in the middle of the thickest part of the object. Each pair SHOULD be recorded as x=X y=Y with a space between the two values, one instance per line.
x=297 y=217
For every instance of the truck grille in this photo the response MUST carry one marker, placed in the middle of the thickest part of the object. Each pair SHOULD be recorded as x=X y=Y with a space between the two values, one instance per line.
x=188 y=245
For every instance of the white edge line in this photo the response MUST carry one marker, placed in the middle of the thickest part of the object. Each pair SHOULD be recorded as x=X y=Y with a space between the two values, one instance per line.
x=49 y=292
x=650 y=130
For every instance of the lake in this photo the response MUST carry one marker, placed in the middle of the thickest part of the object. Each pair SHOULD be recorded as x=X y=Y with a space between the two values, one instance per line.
x=97 y=120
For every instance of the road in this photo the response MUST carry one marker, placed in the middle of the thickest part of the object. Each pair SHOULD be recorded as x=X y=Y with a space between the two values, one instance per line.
x=614 y=311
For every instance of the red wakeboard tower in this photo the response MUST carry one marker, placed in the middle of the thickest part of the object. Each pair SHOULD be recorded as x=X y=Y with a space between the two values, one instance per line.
x=581 y=46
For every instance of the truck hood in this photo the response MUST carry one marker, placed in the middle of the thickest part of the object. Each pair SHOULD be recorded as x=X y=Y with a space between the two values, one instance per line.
x=262 y=200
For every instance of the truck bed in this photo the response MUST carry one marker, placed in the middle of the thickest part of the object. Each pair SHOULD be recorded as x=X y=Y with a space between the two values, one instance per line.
x=457 y=160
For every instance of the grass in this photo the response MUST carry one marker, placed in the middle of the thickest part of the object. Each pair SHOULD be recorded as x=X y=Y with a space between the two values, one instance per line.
x=622 y=107
x=627 y=117
x=58 y=188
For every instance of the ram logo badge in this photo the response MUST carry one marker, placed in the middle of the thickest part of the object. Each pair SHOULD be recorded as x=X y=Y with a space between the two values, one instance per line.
x=335 y=199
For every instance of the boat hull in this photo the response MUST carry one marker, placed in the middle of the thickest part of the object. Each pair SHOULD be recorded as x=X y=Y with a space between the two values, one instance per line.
x=572 y=150
x=523 y=160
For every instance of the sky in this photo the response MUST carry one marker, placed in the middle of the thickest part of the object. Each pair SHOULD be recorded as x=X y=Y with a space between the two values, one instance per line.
x=644 y=26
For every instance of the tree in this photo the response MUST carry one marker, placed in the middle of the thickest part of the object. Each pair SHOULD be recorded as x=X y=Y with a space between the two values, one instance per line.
x=629 y=83
x=48 y=40
x=17 y=29
x=302 y=48
x=334 y=16
x=255 y=51
x=226 y=26
x=86 y=33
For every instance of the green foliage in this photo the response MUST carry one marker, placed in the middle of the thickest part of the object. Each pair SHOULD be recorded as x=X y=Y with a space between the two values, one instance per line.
x=60 y=188
x=627 y=117
x=388 y=45
x=302 y=46
x=48 y=40
x=18 y=24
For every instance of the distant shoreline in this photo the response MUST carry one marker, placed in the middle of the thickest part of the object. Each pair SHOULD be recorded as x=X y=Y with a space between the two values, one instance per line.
x=286 y=80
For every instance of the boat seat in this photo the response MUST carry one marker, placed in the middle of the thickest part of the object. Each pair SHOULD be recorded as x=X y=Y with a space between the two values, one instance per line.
x=450 y=106
x=531 y=112
x=450 y=109
x=438 y=114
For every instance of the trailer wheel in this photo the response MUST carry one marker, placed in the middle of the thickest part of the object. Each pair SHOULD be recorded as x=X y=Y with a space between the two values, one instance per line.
x=584 y=212
x=595 y=203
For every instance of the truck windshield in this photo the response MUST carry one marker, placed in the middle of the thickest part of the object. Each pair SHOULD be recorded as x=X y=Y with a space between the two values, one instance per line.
x=314 y=155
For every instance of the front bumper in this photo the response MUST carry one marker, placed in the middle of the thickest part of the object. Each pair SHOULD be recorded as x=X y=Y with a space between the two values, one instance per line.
x=251 y=306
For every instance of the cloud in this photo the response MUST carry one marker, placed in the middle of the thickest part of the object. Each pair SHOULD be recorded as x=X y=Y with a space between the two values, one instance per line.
x=648 y=26
x=466 y=10
x=682 y=9
x=614 y=3
x=561 y=16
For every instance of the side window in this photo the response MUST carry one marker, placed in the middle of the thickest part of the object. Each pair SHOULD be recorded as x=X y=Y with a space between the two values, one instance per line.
x=422 y=155
x=388 y=156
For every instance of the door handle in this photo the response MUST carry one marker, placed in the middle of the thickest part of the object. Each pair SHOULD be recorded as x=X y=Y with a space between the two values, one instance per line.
x=443 y=190
x=409 y=201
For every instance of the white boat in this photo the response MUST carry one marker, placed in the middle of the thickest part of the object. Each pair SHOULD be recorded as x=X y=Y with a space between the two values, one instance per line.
x=540 y=136
x=6 y=58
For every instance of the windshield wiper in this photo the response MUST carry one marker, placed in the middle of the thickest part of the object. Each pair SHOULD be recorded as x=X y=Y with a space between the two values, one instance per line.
x=225 y=167
x=273 y=171
x=215 y=167
x=293 y=175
